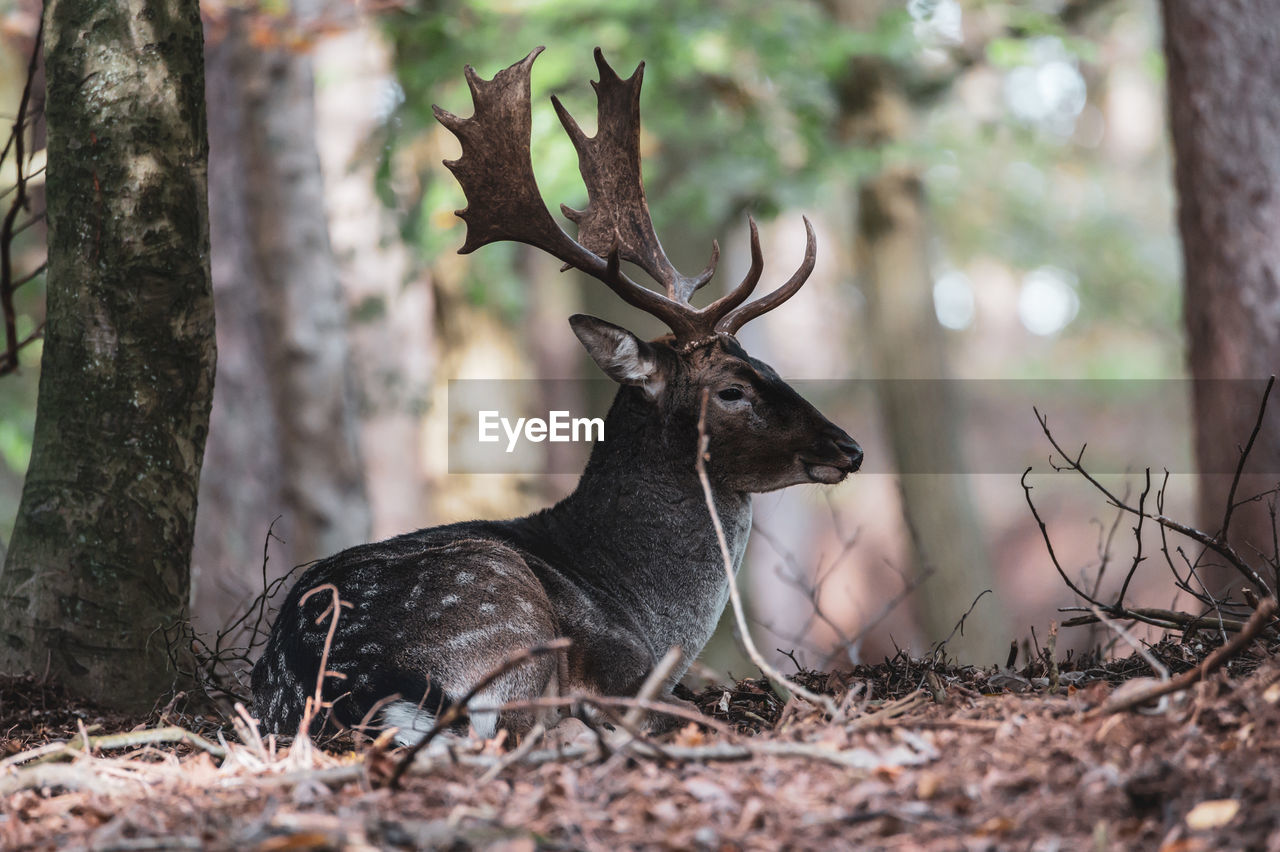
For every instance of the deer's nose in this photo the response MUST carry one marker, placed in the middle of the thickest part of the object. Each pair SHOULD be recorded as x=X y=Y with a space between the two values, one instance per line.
x=846 y=445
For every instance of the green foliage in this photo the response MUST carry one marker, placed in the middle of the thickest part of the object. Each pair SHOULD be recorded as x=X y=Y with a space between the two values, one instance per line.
x=738 y=104
x=742 y=113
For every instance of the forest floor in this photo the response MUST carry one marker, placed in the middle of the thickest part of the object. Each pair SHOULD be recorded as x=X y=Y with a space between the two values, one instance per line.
x=920 y=756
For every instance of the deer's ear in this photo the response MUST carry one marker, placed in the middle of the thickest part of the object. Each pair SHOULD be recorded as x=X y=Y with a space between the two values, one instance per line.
x=626 y=359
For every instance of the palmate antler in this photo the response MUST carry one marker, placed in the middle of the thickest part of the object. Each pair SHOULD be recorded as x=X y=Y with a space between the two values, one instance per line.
x=503 y=202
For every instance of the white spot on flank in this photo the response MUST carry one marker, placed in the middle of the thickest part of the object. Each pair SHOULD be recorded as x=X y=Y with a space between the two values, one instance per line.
x=468 y=637
x=488 y=608
x=524 y=605
x=449 y=600
x=464 y=577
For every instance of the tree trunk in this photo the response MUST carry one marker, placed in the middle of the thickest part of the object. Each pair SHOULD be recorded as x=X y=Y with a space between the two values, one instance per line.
x=907 y=344
x=286 y=439
x=99 y=560
x=241 y=485
x=922 y=417
x=390 y=328
x=303 y=310
x=1224 y=111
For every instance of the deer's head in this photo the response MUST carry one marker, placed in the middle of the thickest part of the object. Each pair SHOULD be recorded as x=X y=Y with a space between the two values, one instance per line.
x=763 y=434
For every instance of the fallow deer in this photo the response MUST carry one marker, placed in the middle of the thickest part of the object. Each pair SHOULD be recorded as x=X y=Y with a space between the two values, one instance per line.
x=626 y=566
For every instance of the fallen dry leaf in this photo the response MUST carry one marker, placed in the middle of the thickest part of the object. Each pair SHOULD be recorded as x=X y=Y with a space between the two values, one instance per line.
x=1214 y=813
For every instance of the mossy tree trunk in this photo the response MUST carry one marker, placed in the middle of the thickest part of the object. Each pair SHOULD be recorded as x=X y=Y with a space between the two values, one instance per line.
x=99 y=559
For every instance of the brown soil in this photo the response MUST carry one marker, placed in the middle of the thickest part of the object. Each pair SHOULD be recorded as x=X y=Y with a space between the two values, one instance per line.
x=928 y=756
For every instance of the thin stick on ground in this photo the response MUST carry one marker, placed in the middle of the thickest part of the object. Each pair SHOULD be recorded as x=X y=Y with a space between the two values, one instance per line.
x=83 y=743
x=735 y=598
x=653 y=684
x=1160 y=669
x=689 y=714
x=459 y=708
x=1164 y=618
x=1260 y=618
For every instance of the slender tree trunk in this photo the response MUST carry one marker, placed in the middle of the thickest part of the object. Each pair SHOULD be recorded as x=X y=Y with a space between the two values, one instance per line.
x=302 y=304
x=390 y=328
x=922 y=417
x=240 y=490
x=287 y=433
x=99 y=560
x=1224 y=110
x=907 y=343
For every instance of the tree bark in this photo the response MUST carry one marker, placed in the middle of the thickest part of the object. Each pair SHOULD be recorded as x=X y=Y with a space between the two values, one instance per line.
x=303 y=310
x=99 y=560
x=1224 y=112
x=240 y=490
x=286 y=439
x=908 y=344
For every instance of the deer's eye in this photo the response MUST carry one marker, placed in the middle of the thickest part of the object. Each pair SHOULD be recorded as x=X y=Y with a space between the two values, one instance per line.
x=731 y=394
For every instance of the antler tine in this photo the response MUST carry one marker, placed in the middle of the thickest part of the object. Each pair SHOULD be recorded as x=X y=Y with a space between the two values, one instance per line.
x=610 y=165
x=726 y=303
x=704 y=277
x=741 y=316
x=502 y=203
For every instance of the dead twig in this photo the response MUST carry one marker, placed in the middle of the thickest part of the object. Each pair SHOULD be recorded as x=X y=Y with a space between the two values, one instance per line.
x=83 y=744
x=1260 y=618
x=775 y=676
x=1218 y=546
x=315 y=702
x=1048 y=543
x=1244 y=455
x=527 y=745
x=647 y=705
x=459 y=708
x=1050 y=658
x=1159 y=668
x=1137 y=534
x=653 y=684
x=1156 y=617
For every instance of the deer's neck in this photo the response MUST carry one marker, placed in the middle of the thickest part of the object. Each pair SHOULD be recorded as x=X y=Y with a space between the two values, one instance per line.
x=640 y=530
x=641 y=487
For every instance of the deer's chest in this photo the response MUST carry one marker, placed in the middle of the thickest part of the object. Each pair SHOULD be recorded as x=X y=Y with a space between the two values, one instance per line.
x=695 y=600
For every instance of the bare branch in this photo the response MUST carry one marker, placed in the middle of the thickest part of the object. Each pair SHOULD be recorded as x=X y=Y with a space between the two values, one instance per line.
x=1261 y=617
x=459 y=708
x=769 y=671
x=1244 y=455
x=1213 y=543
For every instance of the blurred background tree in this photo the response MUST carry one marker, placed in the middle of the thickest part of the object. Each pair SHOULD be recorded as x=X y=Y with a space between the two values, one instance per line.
x=1018 y=150
x=1225 y=117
